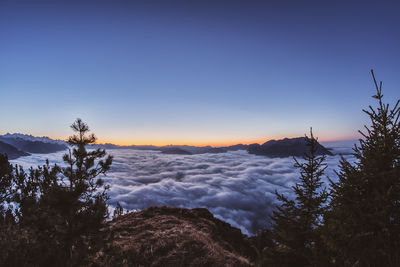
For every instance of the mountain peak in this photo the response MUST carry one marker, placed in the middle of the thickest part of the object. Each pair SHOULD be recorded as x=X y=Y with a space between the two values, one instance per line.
x=286 y=147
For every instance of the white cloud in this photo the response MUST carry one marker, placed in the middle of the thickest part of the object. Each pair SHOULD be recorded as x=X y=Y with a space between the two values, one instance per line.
x=236 y=187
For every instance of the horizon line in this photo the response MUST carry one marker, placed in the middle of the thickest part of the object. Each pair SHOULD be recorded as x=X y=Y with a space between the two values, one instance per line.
x=103 y=141
x=218 y=144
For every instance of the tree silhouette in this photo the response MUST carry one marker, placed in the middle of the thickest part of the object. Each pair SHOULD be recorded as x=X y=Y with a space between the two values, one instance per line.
x=6 y=175
x=61 y=210
x=363 y=223
x=81 y=196
x=295 y=223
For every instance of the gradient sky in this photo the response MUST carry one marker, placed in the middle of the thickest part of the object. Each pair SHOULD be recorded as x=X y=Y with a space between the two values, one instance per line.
x=195 y=72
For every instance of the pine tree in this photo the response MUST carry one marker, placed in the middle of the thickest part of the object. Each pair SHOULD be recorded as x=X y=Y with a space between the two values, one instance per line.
x=7 y=235
x=37 y=222
x=6 y=175
x=63 y=209
x=296 y=223
x=363 y=223
x=82 y=199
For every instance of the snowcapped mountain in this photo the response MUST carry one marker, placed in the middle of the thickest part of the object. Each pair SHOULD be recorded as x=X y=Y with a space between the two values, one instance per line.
x=28 y=137
x=25 y=144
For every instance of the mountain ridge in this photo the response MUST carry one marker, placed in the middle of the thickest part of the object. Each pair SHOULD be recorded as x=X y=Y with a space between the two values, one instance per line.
x=11 y=151
x=18 y=145
x=273 y=148
x=295 y=147
x=29 y=137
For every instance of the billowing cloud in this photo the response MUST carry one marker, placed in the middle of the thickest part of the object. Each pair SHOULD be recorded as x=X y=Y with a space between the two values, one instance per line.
x=235 y=186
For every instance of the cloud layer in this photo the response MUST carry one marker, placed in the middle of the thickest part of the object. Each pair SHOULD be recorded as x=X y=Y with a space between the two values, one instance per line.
x=235 y=186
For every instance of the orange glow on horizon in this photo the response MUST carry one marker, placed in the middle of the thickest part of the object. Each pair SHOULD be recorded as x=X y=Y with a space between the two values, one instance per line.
x=177 y=142
x=215 y=144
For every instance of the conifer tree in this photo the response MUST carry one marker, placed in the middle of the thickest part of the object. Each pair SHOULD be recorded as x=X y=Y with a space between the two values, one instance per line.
x=64 y=208
x=82 y=199
x=363 y=223
x=295 y=223
x=7 y=236
x=6 y=175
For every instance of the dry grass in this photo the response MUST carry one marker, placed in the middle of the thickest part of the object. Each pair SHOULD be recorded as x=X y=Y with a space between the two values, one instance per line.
x=162 y=236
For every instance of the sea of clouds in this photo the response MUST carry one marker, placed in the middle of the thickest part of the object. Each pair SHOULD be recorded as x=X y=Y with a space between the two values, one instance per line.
x=236 y=187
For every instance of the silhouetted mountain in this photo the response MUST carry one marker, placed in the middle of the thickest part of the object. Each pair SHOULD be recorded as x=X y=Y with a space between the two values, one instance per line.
x=174 y=150
x=285 y=148
x=205 y=149
x=170 y=149
x=32 y=138
x=274 y=148
x=11 y=151
x=136 y=147
x=163 y=236
x=140 y=147
x=198 y=149
x=143 y=147
x=236 y=147
x=33 y=146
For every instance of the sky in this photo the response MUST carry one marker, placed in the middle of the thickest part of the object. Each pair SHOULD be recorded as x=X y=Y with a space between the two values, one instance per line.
x=195 y=72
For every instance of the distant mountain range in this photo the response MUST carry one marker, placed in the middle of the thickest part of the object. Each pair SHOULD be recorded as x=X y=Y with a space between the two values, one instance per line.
x=16 y=145
x=28 y=137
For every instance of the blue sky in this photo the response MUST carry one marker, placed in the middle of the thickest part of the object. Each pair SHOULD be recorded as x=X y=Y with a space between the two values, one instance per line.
x=195 y=72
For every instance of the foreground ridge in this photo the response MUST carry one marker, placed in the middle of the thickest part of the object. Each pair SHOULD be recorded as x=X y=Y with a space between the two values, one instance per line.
x=164 y=236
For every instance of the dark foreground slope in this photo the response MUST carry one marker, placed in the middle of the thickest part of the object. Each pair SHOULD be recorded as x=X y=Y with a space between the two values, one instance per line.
x=163 y=236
